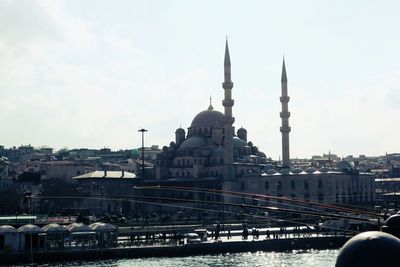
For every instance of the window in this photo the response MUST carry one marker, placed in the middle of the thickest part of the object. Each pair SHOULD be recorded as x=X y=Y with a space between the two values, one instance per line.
x=306 y=185
x=292 y=185
x=321 y=197
x=279 y=185
x=320 y=185
x=266 y=185
x=306 y=197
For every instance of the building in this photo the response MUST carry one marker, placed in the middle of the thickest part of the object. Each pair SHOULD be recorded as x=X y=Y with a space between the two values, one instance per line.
x=107 y=191
x=210 y=155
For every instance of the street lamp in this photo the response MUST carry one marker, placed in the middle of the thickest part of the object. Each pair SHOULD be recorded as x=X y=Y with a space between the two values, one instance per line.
x=142 y=131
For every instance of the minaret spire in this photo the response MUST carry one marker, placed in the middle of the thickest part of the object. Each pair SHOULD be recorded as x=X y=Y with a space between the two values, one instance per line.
x=227 y=60
x=285 y=114
x=284 y=76
x=227 y=64
x=228 y=102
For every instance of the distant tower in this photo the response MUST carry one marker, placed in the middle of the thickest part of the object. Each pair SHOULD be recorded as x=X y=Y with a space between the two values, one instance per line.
x=285 y=114
x=228 y=104
x=242 y=134
x=179 y=136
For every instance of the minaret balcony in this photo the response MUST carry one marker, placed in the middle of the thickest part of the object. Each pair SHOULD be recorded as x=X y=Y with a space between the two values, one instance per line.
x=228 y=102
x=227 y=85
x=285 y=129
x=284 y=98
x=285 y=114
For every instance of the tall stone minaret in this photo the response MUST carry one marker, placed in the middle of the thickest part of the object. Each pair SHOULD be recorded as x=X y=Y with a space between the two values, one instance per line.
x=285 y=114
x=229 y=173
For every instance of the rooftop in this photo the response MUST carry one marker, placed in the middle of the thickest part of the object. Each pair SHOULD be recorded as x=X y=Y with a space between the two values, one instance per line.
x=106 y=175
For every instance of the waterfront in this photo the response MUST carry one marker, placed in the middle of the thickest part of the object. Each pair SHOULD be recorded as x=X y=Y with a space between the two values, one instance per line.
x=325 y=258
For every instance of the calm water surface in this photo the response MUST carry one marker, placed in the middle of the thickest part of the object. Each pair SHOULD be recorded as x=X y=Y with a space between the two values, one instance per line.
x=299 y=258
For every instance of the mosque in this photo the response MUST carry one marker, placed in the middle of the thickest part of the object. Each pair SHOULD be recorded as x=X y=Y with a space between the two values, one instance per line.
x=211 y=148
x=211 y=155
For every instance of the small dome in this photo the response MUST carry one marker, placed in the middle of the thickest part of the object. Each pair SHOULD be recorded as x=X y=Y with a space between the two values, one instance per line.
x=284 y=171
x=78 y=227
x=180 y=130
x=193 y=142
x=271 y=171
x=297 y=170
x=237 y=142
x=241 y=130
x=30 y=228
x=208 y=118
x=324 y=169
x=269 y=166
x=7 y=229
x=310 y=170
x=102 y=227
x=54 y=228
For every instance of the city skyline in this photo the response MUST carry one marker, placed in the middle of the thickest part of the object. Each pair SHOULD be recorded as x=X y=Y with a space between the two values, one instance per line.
x=90 y=74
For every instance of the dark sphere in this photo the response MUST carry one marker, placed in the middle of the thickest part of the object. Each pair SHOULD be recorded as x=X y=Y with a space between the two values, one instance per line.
x=370 y=249
x=393 y=221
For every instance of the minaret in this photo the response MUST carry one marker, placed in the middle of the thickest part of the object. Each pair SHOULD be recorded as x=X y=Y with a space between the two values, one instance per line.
x=285 y=114
x=228 y=103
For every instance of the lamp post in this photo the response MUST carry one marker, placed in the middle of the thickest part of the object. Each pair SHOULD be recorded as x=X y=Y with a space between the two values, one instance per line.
x=144 y=204
x=142 y=131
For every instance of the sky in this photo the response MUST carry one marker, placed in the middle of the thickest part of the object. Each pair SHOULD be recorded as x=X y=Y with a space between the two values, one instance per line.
x=91 y=73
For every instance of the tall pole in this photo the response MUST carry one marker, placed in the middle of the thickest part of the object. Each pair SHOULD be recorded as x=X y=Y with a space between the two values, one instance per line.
x=142 y=131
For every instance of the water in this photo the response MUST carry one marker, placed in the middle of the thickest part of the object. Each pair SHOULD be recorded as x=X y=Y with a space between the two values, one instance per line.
x=317 y=258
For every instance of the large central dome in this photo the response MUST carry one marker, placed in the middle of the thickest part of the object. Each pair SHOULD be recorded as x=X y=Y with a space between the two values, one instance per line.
x=208 y=118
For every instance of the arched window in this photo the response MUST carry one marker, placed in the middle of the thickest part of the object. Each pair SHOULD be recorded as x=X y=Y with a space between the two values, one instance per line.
x=279 y=185
x=292 y=185
x=305 y=184
x=266 y=186
x=320 y=185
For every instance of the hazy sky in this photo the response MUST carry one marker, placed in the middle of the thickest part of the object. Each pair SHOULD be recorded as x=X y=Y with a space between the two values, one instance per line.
x=91 y=73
